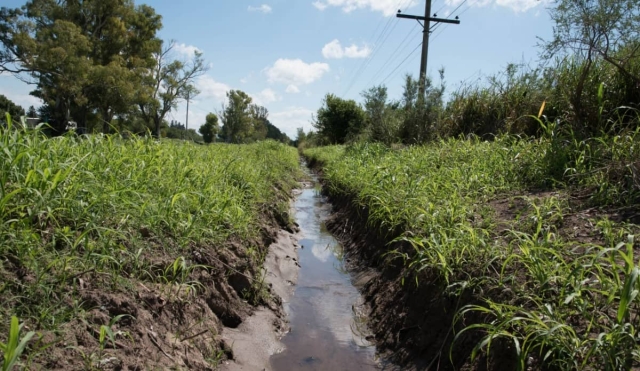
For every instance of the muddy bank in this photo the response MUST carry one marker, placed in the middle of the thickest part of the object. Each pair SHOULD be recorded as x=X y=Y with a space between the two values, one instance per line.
x=258 y=337
x=222 y=312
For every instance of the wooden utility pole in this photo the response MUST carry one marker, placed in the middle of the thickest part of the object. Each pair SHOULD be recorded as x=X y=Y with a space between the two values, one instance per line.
x=186 y=125
x=425 y=39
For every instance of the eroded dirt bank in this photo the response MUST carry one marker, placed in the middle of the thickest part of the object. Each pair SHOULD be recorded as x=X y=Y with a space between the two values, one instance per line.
x=224 y=312
x=258 y=337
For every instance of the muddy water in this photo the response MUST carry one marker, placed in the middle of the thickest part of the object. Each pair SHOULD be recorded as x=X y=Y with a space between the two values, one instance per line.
x=326 y=331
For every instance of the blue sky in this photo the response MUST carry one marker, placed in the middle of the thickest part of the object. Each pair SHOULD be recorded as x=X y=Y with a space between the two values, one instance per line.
x=288 y=54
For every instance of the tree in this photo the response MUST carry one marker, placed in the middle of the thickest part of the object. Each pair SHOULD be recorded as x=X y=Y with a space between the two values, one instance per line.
x=167 y=84
x=381 y=123
x=260 y=120
x=609 y=29
x=237 y=118
x=338 y=119
x=31 y=112
x=210 y=128
x=274 y=133
x=82 y=56
x=421 y=113
x=593 y=32
x=7 y=106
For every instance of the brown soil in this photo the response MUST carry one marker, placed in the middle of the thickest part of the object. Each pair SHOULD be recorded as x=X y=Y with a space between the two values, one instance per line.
x=163 y=326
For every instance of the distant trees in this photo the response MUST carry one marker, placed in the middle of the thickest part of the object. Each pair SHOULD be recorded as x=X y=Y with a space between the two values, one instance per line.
x=338 y=119
x=245 y=122
x=82 y=56
x=167 y=84
x=7 y=106
x=236 y=117
x=210 y=128
x=102 y=65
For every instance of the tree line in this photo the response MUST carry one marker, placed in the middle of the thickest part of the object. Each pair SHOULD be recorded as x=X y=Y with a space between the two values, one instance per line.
x=101 y=64
x=587 y=83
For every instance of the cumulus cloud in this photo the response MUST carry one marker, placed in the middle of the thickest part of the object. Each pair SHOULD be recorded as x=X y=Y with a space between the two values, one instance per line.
x=186 y=50
x=265 y=97
x=262 y=8
x=320 y=5
x=295 y=72
x=292 y=118
x=292 y=89
x=334 y=50
x=210 y=89
x=386 y=7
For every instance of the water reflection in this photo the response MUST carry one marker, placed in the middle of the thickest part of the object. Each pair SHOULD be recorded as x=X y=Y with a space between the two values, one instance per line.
x=327 y=332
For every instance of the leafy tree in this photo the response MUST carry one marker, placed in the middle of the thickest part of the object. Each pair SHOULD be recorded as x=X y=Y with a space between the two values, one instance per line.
x=259 y=123
x=7 y=105
x=274 y=133
x=338 y=119
x=237 y=117
x=167 y=85
x=210 y=128
x=382 y=122
x=82 y=56
x=421 y=113
x=609 y=29
x=31 y=112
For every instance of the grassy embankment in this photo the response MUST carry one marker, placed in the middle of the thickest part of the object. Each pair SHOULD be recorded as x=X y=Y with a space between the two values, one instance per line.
x=529 y=234
x=108 y=245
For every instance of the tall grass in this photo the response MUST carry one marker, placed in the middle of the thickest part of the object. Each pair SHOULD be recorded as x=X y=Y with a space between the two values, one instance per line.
x=106 y=207
x=572 y=305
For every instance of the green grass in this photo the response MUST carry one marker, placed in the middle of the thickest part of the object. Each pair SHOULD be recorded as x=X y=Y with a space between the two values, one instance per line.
x=572 y=305
x=107 y=208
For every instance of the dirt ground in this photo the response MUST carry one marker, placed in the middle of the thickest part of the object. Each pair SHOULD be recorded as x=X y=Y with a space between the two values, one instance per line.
x=255 y=340
x=174 y=326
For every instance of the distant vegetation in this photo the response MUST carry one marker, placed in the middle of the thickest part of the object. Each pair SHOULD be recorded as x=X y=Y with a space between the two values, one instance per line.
x=101 y=65
x=588 y=83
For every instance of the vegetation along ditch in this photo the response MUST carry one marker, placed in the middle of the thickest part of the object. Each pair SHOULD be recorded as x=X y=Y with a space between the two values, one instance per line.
x=490 y=227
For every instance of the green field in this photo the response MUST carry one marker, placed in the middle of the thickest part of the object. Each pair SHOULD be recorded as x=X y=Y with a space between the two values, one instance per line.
x=87 y=222
x=528 y=228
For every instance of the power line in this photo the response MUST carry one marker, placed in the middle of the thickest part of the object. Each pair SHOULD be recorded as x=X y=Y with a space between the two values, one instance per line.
x=461 y=13
x=410 y=61
x=377 y=46
x=395 y=55
x=401 y=63
x=425 y=39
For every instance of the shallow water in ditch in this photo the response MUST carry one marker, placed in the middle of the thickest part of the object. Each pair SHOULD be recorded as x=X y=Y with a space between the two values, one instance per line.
x=326 y=332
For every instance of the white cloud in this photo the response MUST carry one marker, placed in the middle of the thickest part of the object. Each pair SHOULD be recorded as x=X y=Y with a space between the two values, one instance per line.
x=354 y=51
x=266 y=96
x=211 y=89
x=292 y=118
x=320 y=5
x=520 y=5
x=21 y=97
x=262 y=8
x=295 y=72
x=186 y=50
x=386 y=7
x=292 y=89
x=515 y=5
x=334 y=50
